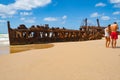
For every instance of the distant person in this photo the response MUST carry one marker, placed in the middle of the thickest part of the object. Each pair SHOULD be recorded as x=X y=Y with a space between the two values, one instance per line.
x=114 y=34
x=107 y=35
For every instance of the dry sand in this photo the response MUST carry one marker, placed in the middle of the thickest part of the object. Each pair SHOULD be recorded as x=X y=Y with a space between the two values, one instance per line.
x=87 y=60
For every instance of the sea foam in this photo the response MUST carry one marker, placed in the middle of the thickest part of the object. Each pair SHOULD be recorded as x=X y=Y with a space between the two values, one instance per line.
x=4 y=39
x=4 y=44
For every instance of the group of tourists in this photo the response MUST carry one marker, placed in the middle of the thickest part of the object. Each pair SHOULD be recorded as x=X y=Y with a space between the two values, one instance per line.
x=111 y=35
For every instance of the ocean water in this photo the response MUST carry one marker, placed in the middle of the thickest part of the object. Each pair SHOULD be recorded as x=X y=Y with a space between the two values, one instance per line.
x=4 y=44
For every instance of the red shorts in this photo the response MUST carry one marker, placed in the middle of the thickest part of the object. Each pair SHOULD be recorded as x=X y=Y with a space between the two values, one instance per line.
x=114 y=35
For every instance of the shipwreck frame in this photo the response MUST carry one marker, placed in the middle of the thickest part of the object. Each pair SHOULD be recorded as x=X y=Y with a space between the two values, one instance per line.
x=44 y=34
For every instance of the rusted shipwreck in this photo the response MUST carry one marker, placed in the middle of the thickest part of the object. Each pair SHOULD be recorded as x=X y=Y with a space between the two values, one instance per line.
x=45 y=34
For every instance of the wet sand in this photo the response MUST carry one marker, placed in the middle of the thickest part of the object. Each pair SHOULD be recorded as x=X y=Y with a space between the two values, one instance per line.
x=21 y=48
x=87 y=60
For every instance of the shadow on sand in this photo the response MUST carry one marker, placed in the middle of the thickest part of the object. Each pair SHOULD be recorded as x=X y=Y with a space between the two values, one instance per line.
x=20 y=48
x=118 y=47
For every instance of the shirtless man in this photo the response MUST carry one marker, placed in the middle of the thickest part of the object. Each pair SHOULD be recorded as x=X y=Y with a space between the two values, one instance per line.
x=114 y=35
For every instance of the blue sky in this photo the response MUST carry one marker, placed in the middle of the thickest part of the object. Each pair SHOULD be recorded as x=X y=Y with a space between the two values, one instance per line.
x=58 y=13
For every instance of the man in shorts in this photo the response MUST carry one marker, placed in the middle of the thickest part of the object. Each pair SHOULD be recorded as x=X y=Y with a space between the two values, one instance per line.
x=114 y=34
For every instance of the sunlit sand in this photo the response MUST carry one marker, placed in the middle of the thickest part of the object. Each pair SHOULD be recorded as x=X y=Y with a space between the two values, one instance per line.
x=86 y=60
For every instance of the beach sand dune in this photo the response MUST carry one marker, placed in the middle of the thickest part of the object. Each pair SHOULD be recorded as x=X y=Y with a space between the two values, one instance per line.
x=87 y=60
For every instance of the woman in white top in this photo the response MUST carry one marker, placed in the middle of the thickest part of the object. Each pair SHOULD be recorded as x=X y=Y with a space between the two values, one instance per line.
x=107 y=36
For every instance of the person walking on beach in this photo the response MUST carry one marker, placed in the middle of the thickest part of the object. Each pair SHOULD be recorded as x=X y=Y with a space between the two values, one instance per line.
x=107 y=35
x=114 y=34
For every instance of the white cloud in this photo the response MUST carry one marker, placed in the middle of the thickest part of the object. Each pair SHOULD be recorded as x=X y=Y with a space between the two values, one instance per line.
x=100 y=4
x=29 y=4
x=116 y=13
x=64 y=17
x=50 y=19
x=114 y=18
x=28 y=20
x=102 y=16
x=105 y=18
x=6 y=10
x=2 y=16
x=11 y=9
x=3 y=21
x=117 y=5
x=114 y=1
x=94 y=14
x=22 y=19
x=25 y=13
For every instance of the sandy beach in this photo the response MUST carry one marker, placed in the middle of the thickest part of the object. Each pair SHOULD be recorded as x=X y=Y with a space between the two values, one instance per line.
x=86 y=60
